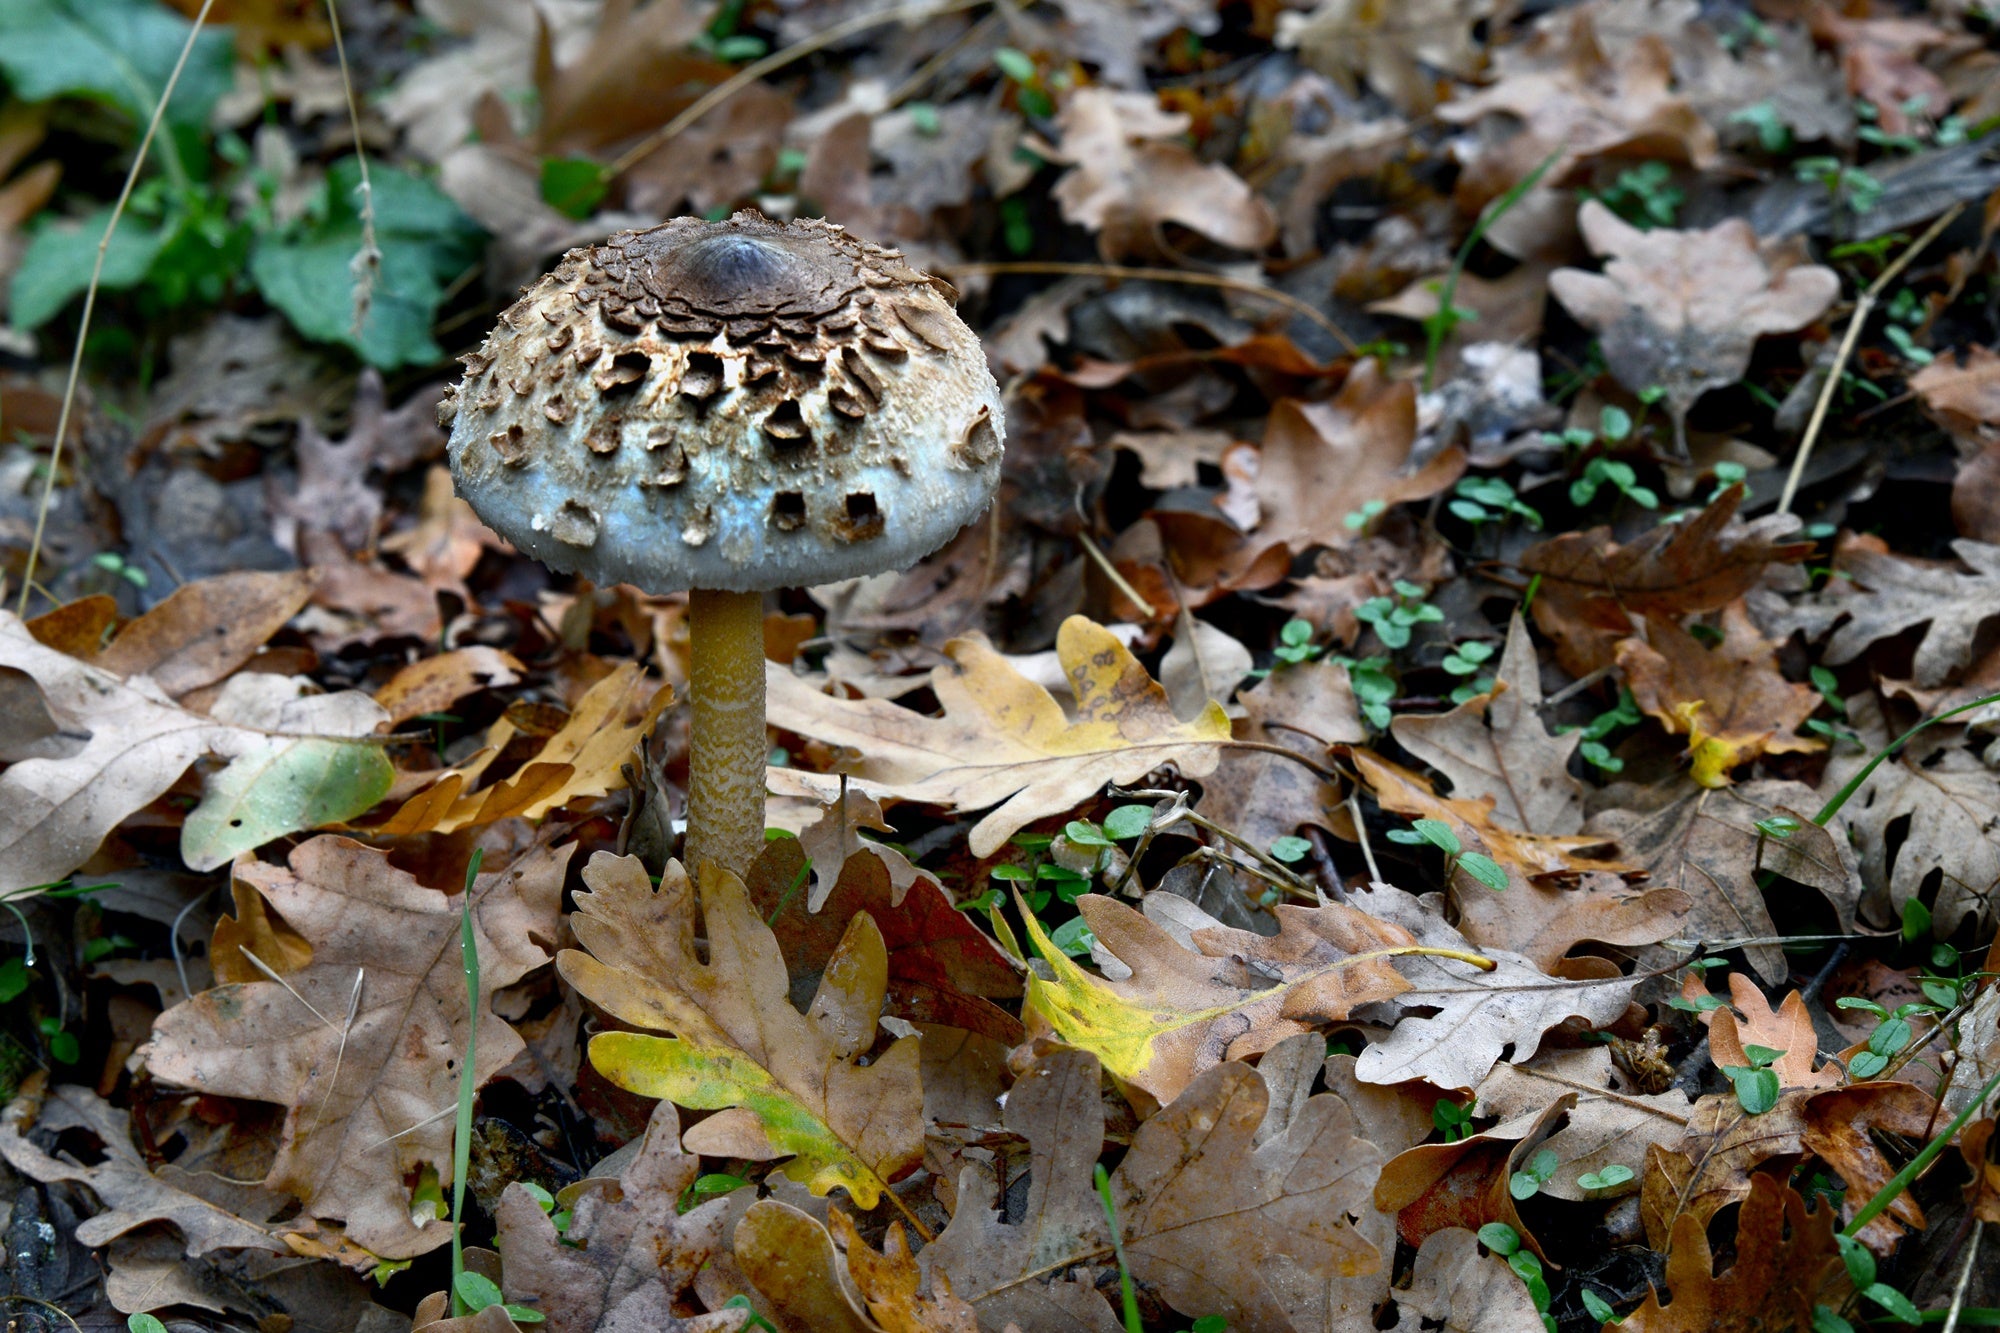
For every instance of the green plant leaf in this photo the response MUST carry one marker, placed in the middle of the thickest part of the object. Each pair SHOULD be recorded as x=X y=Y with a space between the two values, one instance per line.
x=477 y=1291
x=425 y=242
x=280 y=785
x=119 y=52
x=55 y=268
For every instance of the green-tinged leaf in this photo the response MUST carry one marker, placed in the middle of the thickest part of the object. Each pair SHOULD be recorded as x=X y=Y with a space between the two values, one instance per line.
x=1128 y=821
x=120 y=52
x=282 y=785
x=1073 y=937
x=13 y=979
x=711 y=1186
x=55 y=268
x=477 y=1291
x=1500 y=1238
x=1756 y=1089
x=1484 y=869
x=425 y=242
x=573 y=186
x=1289 y=849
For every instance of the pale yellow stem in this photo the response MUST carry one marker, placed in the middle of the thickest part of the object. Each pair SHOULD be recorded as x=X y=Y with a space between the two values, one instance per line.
x=727 y=748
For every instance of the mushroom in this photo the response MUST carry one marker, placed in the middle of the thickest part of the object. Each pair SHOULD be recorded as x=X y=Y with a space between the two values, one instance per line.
x=728 y=408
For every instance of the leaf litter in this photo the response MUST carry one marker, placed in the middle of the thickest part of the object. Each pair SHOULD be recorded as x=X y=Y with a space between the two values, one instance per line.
x=1375 y=826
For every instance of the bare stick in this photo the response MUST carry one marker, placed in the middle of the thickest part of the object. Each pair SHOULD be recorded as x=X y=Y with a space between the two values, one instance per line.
x=1862 y=309
x=90 y=300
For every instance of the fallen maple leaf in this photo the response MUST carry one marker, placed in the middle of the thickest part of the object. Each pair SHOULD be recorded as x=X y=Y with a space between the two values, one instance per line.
x=1746 y=707
x=361 y=1045
x=1682 y=310
x=1130 y=172
x=1592 y=586
x=210 y=1213
x=1181 y=1012
x=787 y=1084
x=1029 y=756
x=1494 y=746
x=628 y=1251
x=1320 y=462
x=1784 y=1255
x=586 y=757
x=1706 y=843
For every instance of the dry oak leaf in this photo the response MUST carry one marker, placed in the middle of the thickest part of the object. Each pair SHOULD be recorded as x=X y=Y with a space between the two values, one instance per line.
x=1037 y=1270
x=1180 y=1013
x=1592 y=586
x=1842 y=1127
x=1684 y=309
x=1465 y=1182
x=1495 y=746
x=365 y=1098
x=1963 y=398
x=1714 y=1162
x=1784 y=1255
x=786 y=1084
x=1542 y=920
x=1405 y=793
x=1004 y=738
x=1606 y=1127
x=1390 y=46
x=434 y=684
x=586 y=757
x=1788 y=1028
x=1884 y=594
x=1130 y=172
x=205 y=630
x=1706 y=844
x=1933 y=808
x=1746 y=706
x=207 y=1211
x=1261 y=796
x=1982 y=1192
x=628 y=1250
x=1458 y=1022
x=797 y=1266
x=942 y=968
x=1465 y=1290
x=1320 y=462
x=127 y=743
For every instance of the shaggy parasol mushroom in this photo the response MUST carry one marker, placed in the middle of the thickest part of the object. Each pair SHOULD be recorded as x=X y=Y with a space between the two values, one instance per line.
x=728 y=408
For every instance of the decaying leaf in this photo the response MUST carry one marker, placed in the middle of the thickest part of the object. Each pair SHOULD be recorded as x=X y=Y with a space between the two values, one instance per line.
x=1844 y=1128
x=787 y=1083
x=1784 y=1253
x=1715 y=1162
x=367 y=1097
x=1882 y=595
x=1684 y=309
x=205 y=630
x=1465 y=1182
x=1004 y=738
x=1467 y=1291
x=1495 y=746
x=1788 y=1029
x=627 y=1252
x=1389 y=46
x=1180 y=1012
x=209 y=1212
x=1262 y=797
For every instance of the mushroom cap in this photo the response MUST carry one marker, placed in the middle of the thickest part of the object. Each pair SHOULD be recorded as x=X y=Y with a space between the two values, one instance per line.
x=732 y=405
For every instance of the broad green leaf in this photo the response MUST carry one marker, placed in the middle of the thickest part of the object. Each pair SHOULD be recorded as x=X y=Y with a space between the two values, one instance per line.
x=55 y=269
x=120 y=52
x=425 y=242
x=282 y=785
x=787 y=1083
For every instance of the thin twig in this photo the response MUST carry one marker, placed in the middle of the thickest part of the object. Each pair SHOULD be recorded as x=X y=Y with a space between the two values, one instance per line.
x=1862 y=309
x=1361 y=833
x=1964 y=1277
x=1054 y=269
x=777 y=60
x=90 y=300
x=366 y=265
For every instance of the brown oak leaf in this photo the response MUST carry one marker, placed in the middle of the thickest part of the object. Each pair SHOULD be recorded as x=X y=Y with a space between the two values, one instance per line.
x=1784 y=1255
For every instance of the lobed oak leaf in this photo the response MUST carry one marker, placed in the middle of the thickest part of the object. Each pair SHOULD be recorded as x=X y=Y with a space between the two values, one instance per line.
x=1494 y=746
x=1785 y=1254
x=795 y=1263
x=205 y=630
x=366 y=1097
x=1843 y=1127
x=1262 y=797
x=1683 y=309
x=1392 y=48
x=628 y=1251
x=1746 y=704
x=1004 y=739
x=1320 y=462
x=1605 y=1128
x=1883 y=595
x=787 y=1083
x=1465 y=1182
x=1130 y=173
x=209 y=1212
x=1592 y=586
x=1714 y=1162
x=1466 y=1291
x=1706 y=843
x=585 y=757
x=1180 y=1013
x=1788 y=1029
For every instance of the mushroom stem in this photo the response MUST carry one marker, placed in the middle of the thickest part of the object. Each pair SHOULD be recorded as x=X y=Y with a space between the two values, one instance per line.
x=727 y=747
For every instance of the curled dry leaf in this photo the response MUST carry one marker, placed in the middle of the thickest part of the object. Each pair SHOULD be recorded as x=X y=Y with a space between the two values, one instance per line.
x=787 y=1084
x=209 y=1212
x=1320 y=462
x=1844 y=1128
x=1785 y=1253
x=366 y=1098
x=627 y=1253
x=1004 y=738
x=1130 y=172
x=1684 y=309
x=1494 y=746
x=1181 y=1012
x=586 y=757
x=1464 y=1183
x=1467 y=1290
x=1592 y=586
x=1732 y=692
